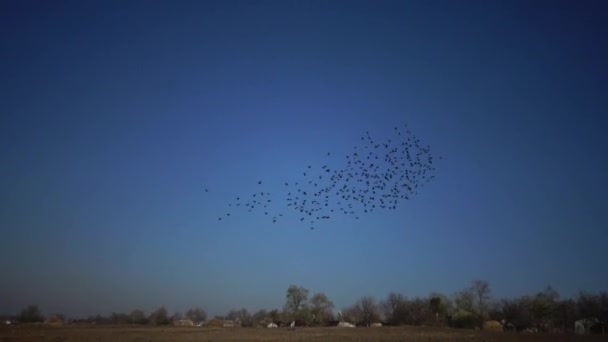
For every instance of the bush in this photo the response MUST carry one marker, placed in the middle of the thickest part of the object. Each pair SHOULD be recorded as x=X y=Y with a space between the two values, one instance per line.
x=31 y=314
x=465 y=320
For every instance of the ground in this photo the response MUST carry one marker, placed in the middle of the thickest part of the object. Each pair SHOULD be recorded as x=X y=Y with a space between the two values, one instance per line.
x=154 y=334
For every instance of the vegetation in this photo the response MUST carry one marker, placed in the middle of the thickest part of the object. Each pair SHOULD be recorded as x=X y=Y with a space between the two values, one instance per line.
x=31 y=314
x=471 y=308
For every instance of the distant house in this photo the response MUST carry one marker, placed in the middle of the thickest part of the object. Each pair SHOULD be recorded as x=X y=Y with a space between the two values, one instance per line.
x=346 y=325
x=184 y=323
x=214 y=323
x=222 y=323
x=231 y=324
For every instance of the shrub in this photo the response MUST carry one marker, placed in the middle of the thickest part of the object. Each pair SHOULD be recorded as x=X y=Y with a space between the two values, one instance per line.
x=465 y=320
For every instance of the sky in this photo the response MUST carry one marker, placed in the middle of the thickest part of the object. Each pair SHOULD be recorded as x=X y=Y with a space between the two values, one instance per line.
x=127 y=128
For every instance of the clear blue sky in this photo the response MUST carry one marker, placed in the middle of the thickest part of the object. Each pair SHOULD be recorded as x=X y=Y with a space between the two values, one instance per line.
x=117 y=115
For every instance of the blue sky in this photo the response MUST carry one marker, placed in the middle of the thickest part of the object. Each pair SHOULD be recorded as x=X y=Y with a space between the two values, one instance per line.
x=117 y=115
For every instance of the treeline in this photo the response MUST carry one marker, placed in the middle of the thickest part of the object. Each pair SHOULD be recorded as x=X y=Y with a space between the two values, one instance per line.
x=160 y=316
x=472 y=308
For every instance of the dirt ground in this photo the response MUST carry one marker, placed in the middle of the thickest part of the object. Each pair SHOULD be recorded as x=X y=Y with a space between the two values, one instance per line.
x=154 y=334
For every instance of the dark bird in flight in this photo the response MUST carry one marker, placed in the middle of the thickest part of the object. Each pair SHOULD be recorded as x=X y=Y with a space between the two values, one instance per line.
x=401 y=166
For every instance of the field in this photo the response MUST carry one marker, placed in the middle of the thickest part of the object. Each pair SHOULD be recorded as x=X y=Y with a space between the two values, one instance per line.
x=153 y=334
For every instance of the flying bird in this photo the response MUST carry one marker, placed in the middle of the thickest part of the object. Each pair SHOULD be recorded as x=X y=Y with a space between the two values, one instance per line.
x=377 y=175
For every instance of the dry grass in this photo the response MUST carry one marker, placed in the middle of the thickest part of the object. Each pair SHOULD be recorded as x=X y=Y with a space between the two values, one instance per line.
x=154 y=334
x=492 y=326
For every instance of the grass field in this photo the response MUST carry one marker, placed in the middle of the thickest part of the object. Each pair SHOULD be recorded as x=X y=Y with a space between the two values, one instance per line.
x=153 y=334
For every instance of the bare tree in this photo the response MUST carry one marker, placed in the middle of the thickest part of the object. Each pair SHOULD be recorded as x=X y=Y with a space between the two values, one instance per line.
x=176 y=317
x=481 y=290
x=137 y=317
x=296 y=297
x=465 y=315
x=392 y=306
x=351 y=314
x=418 y=311
x=242 y=316
x=159 y=317
x=260 y=316
x=602 y=299
x=516 y=312
x=565 y=315
x=30 y=314
x=120 y=318
x=196 y=315
x=365 y=311
x=465 y=301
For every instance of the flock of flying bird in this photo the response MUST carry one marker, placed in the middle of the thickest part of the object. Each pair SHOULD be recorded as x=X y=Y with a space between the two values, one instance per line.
x=378 y=175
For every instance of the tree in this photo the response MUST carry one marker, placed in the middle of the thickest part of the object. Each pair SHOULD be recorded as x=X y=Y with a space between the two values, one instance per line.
x=260 y=316
x=517 y=312
x=296 y=297
x=120 y=318
x=565 y=315
x=466 y=315
x=321 y=308
x=495 y=312
x=439 y=306
x=418 y=311
x=176 y=317
x=137 y=317
x=274 y=315
x=159 y=317
x=393 y=308
x=365 y=311
x=592 y=306
x=304 y=316
x=30 y=314
x=481 y=291
x=350 y=314
x=542 y=307
x=196 y=315
x=588 y=305
x=435 y=305
x=242 y=316
x=465 y=301
x=603 y=310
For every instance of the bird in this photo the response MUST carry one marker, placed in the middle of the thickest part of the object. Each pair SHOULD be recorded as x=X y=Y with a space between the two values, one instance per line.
x=380 y=174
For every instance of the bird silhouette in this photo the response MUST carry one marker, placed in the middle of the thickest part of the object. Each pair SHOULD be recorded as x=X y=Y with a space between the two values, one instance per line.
x=378 y=174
